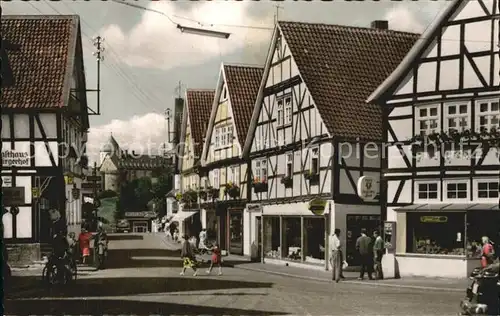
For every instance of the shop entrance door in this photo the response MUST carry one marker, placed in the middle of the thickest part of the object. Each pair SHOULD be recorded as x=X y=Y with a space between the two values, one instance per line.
x=140 y=227
x=354 y=225
x=258 y=225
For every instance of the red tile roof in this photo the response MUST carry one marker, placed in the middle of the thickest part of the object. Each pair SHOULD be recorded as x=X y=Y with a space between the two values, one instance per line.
x=43 y=50
x=199 y=105
x=243 y=85
x=341 y=66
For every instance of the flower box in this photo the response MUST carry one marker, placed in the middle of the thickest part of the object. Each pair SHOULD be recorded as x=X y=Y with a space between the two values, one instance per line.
x=260 y=187
x=313 y=178
x=232 y=190
x=212 y=193
x=190 y=196
x=287 y=182
x=203 y=194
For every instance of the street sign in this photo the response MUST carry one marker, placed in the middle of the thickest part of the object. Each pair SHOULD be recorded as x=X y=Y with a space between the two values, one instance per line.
x=93 y=178
x=13 y=196
x=317 y=206
x=90 y=185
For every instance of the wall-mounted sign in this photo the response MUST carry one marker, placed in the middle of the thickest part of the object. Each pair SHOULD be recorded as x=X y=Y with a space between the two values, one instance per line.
x=15 y=158
x=317 y=206
x=367 y=188
x=6 y=181
x=433 y=219
x=254 y=207
x=140 y=214
x=93 y=178
x=390 y=236
x=13 y=196
x=35 y=193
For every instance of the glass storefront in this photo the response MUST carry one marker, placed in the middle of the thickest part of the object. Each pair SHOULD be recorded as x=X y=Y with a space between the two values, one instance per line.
x=436 y=233
x=284 y=238
x=236 y=232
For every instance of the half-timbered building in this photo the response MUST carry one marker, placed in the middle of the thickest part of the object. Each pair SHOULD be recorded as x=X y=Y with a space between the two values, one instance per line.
x=195 y=118
x=312 y=137
x=227 y=176
x=44 y=125
x=441 y=114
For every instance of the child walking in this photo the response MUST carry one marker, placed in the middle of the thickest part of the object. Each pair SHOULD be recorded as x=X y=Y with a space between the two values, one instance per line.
x=216 y=259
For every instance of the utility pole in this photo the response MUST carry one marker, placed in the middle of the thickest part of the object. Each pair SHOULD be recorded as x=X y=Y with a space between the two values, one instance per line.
x=97 y=41
x=278 y=7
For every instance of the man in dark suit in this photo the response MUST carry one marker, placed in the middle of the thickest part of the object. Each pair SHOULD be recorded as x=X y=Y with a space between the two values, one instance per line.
x=364 y=246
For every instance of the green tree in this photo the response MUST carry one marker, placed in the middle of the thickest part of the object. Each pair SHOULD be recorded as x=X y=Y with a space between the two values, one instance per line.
x=160 y=189
x=143 y=192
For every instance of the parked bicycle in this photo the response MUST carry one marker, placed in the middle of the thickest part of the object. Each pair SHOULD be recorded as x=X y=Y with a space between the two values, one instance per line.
x=59 y=270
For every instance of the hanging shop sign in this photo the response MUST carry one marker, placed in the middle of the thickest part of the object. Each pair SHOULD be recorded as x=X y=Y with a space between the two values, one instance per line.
x=13 y=196
x=15 y=158
x=390 y=236
x=6 y=181
x=367 y=188
x=254 y=207
x=14 y=210
x=69 y=179
x=433 y=219
x=317 y=206
x=75 y=192
x=35 y=192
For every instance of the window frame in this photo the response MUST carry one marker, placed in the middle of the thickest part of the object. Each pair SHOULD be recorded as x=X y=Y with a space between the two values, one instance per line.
x=287 y=111
x=480 y=114
x=289 y=162
x=457 y=115
x=217 y=137
x=419 y=119
x=261 y=169
x=280 y=112
x=488 y=182
x=235 y=170
x=314 y=156
x=216 y=178
x=457 y=182
x=428 y=183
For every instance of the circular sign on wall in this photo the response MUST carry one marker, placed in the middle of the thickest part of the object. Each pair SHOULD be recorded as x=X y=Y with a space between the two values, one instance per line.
x=367 y=188
x=317 y=206
x=14 y=210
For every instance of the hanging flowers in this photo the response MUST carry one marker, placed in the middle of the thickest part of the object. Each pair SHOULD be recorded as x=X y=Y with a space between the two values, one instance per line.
x=260 y=185
x=232 y=190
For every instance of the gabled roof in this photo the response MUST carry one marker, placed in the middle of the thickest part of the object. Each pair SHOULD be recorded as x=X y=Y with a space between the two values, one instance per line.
x=41 y=54
x=111 y=146
x=198 y=105
x=242 y=85
x=341 y=66
x=242 y=82
x=423 y=44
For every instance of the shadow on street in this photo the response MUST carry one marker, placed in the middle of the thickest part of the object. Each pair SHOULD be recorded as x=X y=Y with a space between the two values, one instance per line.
x=117 y=307
x=32 y=287
x=124 y=237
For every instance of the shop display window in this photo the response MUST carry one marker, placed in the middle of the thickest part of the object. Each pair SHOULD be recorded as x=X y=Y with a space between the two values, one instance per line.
x=314 y=240
x=479 y=224
x=436 y=233
x=272 y=237
x=236 y=232
x=292 y=238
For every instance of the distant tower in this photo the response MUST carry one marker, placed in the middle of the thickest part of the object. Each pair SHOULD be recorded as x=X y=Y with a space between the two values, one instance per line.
x=111 y=148
x=110 y=171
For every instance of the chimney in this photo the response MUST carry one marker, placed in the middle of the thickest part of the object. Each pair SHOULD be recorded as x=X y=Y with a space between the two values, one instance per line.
x=380 y=24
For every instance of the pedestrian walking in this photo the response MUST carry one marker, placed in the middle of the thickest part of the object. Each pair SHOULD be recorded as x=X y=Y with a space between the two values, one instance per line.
x=216 y=259
x=84 y=240
x=364 y=246
x=203 y=240
x=378 y=253
x=188 y=256
x=488 y=253
x=336 y=257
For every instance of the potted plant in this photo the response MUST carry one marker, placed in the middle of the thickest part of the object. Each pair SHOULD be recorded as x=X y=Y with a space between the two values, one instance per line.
x=178 y=196
x=203 y=194
x=259 y=185
x=190 y=196
x=212 y=193
x=232 y=190
x=313 y=177
x=287 y=181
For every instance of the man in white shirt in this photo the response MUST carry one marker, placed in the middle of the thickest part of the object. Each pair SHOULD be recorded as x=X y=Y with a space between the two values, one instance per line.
x=336 y=255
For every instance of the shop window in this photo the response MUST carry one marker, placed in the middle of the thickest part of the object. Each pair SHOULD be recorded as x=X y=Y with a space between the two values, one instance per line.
x=487 y=190
x=436 y=233
x=292 y=238
x=479 y=224
x=427 y=191
x=456 y=190
x=289 y=165
x=427 y=119
x=272 y=237
x=314 y=240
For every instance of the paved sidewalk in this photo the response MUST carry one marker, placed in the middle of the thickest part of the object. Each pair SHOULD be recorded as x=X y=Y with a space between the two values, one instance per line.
x=455 y=285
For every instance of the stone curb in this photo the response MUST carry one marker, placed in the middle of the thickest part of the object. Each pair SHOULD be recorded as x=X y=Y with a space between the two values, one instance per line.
x=368 y=283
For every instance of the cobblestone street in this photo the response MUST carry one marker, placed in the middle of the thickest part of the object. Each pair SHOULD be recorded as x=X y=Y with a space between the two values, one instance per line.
x=143 y=278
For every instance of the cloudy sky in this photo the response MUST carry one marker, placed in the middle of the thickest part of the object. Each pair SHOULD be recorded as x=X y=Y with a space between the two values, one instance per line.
x=146 y=56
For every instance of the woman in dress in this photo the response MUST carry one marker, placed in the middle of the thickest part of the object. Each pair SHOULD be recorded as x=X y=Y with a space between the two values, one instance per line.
x=216 y=259
x=487 y=254
x=84 y=240
x=188 y=256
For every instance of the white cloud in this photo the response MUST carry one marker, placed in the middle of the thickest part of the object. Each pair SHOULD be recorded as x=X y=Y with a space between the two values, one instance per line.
x=402 y=19
x=156 y=42
x=144 y=134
